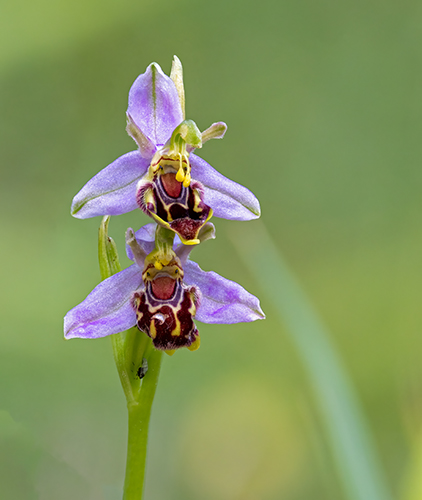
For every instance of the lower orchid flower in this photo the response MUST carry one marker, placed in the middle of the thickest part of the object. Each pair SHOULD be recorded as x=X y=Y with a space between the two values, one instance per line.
x=161 y=293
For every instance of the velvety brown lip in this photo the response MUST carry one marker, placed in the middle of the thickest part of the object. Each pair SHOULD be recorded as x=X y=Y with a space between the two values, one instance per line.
x=171 y=186
x=163 y=287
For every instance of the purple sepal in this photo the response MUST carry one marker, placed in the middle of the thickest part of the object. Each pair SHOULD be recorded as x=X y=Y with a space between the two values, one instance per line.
x=222 y=300
x=228 y=199
x=107 y=309
x=113 y=190
x=154 y=105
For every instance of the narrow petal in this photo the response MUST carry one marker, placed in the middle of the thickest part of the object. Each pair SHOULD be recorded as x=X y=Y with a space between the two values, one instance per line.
x=228 y=199
x=107 y=309
x=154 y=105
x=134 y=251
x=146 y=147
x=215 y=131
x=113 y=190
x=145 y=237
x=222 y=300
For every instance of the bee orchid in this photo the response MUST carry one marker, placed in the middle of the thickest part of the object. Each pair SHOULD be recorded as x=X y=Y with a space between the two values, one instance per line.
x=161 y=293
x=163 y=177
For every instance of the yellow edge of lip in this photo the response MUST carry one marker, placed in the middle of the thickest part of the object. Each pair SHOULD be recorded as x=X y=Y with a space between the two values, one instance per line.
x=190 y=242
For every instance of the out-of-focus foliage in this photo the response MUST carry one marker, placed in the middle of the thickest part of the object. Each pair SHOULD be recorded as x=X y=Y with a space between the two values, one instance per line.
x=323 y=107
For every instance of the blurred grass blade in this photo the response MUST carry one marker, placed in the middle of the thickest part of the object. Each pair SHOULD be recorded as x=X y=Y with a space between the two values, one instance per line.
x=412 y=487
x=343 y=420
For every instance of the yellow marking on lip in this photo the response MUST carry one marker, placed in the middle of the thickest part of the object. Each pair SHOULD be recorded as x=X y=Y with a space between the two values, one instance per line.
x=152 y=330
x=189 y=242
x=209 y=215
x=177 y=330
x=149 y=198
x=197 y=200
x=160 y=221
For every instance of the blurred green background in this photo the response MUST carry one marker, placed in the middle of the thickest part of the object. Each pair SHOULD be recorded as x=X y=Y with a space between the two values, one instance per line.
x=322 y=100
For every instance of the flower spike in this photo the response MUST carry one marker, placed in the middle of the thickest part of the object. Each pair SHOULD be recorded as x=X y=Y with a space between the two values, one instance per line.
x=151 y=307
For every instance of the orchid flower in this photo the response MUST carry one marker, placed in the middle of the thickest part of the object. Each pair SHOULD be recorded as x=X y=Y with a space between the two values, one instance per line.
x=163 y=177
x=161 y=293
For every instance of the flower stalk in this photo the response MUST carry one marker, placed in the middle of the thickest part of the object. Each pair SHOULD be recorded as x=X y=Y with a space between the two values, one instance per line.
x=139 y=416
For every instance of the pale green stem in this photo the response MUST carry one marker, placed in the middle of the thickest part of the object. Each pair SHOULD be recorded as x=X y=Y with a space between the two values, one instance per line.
x=139 y=416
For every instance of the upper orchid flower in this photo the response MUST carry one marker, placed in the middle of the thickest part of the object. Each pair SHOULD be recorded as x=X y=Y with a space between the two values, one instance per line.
x=161 y=293
x=163 y=177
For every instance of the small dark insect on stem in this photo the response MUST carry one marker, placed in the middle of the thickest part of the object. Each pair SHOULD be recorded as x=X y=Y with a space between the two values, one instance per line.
x=142 y=370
